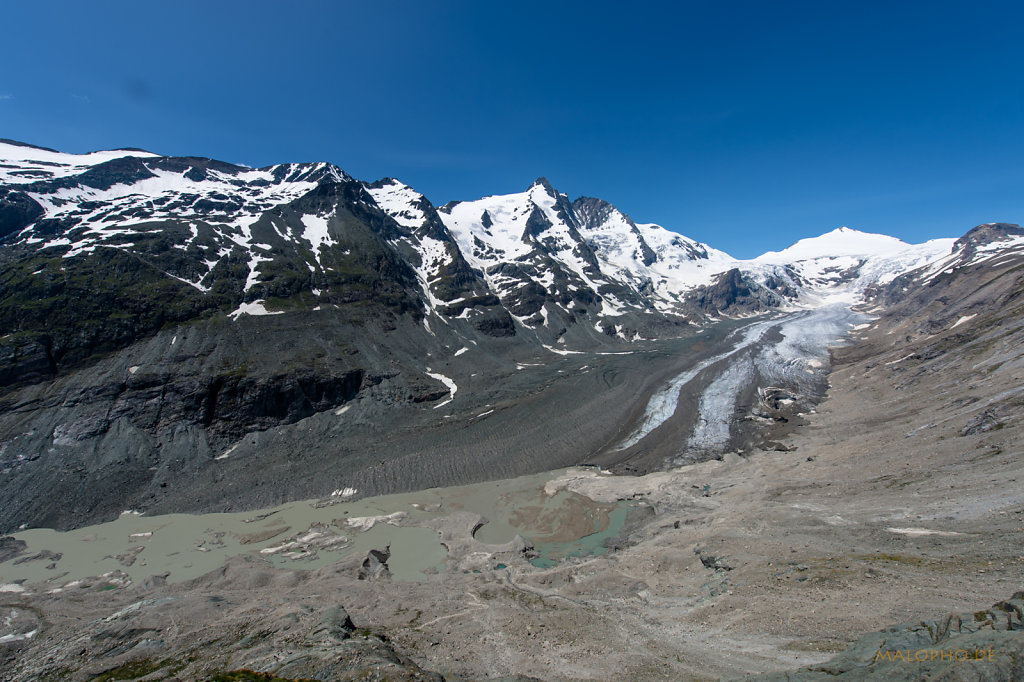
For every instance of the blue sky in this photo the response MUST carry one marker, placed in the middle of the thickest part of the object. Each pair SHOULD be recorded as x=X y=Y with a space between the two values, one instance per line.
x=744 y=125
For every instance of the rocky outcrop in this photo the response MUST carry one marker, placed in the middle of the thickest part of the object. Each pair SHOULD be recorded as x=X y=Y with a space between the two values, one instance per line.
x=26 y=359
x=359 y=658
x=983 y=235
x=495 y=322
x=17 y=211
x=712 y=561
x=967 y=265
x=375 y=565
x=985 y=645
x=10 y=548
x=733 y=293
x=334 y=626
x=980 y=423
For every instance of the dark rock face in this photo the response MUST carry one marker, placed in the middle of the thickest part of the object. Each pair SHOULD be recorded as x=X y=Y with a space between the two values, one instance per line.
x=17 y=143
x=195 y=167
x=61 y=319
x=26 y=360
x=986 y=234
x=122 y=295
x=240 y=404
x=536 y=225
x=17 y=211
x=526 y=300
x=455 y=279
x=966 y=287
x=102 y=435
x=497 y=323
x=782 y=287
x=733 y=293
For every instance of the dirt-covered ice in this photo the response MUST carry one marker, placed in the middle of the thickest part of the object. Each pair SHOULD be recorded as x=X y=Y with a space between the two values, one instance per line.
x=790 y=351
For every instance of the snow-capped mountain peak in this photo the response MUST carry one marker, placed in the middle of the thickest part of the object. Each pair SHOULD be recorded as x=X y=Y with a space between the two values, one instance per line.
x=842 y=241
x=845 y=262
x=400 y=201
x=535 y=255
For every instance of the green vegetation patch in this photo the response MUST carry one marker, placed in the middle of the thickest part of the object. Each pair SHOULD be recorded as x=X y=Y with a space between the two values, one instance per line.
x=129 y=671
x=898 y=558
x=142 y=667
x=246 y=675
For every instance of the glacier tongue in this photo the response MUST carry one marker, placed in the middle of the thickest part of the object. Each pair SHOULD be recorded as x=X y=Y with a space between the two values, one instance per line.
x=786 y=351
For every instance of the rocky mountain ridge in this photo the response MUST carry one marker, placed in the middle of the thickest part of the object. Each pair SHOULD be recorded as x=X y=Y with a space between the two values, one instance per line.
x=257 y=241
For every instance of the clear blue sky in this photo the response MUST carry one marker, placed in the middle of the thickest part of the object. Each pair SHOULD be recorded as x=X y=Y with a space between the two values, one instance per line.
x=747 y=125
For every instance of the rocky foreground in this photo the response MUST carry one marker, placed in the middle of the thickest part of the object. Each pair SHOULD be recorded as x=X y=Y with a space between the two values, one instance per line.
x=898 y=503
